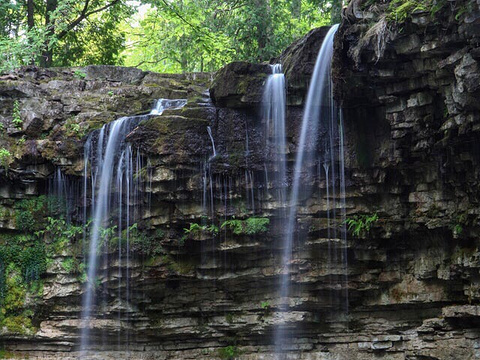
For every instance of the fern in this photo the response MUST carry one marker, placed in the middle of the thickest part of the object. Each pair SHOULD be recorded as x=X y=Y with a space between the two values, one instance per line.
x=360 y=225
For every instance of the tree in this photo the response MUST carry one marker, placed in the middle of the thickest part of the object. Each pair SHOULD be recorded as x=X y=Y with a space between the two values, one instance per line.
x=174 y=36
x=36 y=31
x=203 y=35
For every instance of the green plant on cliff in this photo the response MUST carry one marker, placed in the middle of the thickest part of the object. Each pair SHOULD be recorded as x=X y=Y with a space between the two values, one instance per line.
x=400 y=11
x=74 y=129
x=255 y=225
x=360 y=225
x=229 y=352
x=79 y=74
x=140 y=241
x=195 y=230
x=458 y=223
x=16 y=119
x=266 y=307
x=249 y=226
x=30 y=214
x=15 y=316
x=5 y=158
x=234 y=225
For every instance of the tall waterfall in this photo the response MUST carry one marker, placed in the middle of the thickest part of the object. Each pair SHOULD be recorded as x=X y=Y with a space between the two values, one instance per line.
x=273 y=109
x=312 y=151
x=112 y=177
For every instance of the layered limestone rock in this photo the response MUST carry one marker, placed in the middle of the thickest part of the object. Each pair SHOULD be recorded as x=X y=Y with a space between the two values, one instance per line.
x=410 y=114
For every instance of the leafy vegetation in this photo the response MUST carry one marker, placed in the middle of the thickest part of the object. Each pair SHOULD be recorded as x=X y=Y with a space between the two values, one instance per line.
x=44 y=239
x=16 y=119
x=360 y=225
x=228 y=353
x=266 y=307
x=166 y=36
x=250 y=226
x=79 y=74
x=195 y=230
x=30 y=214
x=401 y=10
x=61 y=32
x=458 y=223
x=203 y=35
x=140 y=241
x=5 y=158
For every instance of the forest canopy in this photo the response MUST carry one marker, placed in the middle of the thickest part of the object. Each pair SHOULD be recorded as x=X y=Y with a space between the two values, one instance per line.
x=157 y=35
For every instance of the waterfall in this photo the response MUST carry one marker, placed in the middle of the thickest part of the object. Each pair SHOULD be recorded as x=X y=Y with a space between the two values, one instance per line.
x=274 y=109
x=114 y=169
x=209 y=130
x=319 y=111
x=163 y=104
x=63 y=191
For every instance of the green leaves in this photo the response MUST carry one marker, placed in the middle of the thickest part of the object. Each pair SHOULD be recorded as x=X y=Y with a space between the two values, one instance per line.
x=204 y=35
x=250 y=226
x=359 y=225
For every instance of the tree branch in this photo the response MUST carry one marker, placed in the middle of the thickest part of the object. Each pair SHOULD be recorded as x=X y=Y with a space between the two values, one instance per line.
x=83 y=15
x=149 y=62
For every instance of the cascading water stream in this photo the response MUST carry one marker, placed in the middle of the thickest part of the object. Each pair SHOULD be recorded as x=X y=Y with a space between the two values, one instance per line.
x=114 y=169
x=209 y=130
x=318 y=110
x=274 y=109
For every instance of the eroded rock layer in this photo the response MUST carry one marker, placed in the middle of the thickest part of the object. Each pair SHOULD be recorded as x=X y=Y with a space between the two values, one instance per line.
x=197 y=290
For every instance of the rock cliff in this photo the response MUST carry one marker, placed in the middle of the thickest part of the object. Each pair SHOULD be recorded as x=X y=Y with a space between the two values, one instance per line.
x=197 y=290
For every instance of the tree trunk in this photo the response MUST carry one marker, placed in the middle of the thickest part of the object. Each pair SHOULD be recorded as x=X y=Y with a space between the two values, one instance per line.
x=46 y=60
x=30 y=22
x=262 y=26
x=30 y=18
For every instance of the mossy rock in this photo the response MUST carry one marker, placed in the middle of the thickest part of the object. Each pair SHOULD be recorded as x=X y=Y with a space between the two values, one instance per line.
x=239 y=84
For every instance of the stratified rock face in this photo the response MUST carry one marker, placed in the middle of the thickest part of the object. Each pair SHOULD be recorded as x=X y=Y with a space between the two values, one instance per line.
x=298 y=62
x=239 y=84
x=411 y=115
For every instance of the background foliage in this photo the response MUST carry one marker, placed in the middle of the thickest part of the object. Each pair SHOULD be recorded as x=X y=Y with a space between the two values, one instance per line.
x=159 y=35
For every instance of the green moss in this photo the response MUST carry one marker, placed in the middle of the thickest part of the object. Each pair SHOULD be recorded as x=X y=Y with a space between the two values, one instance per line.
x=20 y=325
x=6 y=214
x=69 y=265
x=229 y=353
x=14 y=316
x=30 y=213
x=16 y=293
x=180 y=266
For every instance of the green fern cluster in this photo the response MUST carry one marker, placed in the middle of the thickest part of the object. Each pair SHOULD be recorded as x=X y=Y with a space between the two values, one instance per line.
x=360 y=225
x=250 y=226
x=400 y=11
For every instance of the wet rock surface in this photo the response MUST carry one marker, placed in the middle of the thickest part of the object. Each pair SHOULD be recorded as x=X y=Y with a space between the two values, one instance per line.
x=411 y=128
